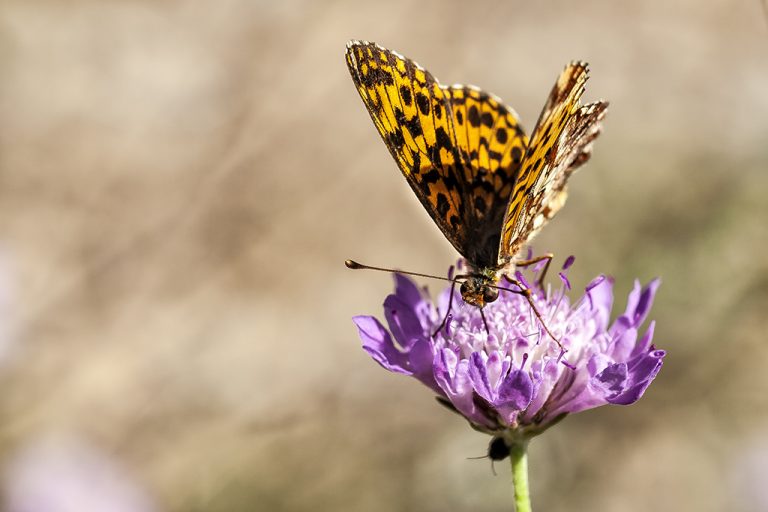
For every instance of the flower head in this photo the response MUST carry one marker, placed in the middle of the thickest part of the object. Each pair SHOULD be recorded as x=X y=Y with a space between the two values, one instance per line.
x=514 y=378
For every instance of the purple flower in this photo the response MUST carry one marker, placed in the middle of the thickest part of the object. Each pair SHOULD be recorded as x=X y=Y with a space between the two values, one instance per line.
x=515 y=378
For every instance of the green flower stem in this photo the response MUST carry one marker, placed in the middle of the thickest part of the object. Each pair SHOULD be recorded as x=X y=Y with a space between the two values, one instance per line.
x=518 y=453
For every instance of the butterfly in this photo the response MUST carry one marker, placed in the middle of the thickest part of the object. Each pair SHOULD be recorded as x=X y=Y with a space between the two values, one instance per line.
x=488 y=186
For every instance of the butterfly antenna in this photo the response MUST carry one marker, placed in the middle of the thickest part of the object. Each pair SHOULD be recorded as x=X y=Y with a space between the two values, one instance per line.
x=351 y=264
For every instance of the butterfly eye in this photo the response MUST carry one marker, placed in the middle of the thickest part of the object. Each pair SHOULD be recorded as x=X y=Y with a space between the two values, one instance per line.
x=490 y=294
x=464 y=288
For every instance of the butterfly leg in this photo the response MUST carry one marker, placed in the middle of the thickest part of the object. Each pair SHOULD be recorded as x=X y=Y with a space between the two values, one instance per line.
x=485 y=322
x=450 y=303
x=526 y=263
x=447 y=312
x=525 y=292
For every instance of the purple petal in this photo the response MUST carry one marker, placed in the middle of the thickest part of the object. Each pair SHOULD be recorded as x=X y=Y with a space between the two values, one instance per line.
x=516 y=390
x=594 y=283
x=452 y=376
x=646 y=366
x=407 y=291
x=520 y=277
x=568 y=262
x=625 y=383
x=478 y=373
x=600 y=295
x=378 y=343
x=639 y=304
x=632 y=299
x=623 y=345
x=565 y=280
x=611 y=380
x=421 y=360
x=446 y=364
x=642 y=376
x=645 y=342
x=645 y=302
x=403 y=322
x=597 y=363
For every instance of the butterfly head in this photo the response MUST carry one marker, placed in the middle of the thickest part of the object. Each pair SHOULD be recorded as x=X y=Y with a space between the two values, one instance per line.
x=478 y=291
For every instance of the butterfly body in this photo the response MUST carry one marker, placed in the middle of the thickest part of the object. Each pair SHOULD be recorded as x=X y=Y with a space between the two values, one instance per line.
x=488 y=186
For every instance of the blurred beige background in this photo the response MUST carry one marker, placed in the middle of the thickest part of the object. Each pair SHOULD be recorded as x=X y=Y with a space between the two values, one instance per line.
x=181 y=181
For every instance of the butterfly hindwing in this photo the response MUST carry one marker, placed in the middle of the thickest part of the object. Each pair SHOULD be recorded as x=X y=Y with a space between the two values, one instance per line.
x=560 y=143
x=491 y=143
x=410 y=111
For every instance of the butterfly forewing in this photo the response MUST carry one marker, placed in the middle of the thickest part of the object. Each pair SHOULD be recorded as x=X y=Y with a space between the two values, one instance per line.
x=409 y=109
x=559 y=144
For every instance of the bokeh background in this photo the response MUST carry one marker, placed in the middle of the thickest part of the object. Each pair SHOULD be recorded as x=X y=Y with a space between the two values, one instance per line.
x=180 y=182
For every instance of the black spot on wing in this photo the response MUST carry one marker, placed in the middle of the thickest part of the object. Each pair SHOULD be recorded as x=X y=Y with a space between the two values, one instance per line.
x=442 y=138
x=377 y=76
x=423 y=103
x=416 y=168
x=450 y=181
x=437 y=109
x=473 y=116
x=405 y=93
x=431 y=176
x=396 y=139
x=442 y=204
x=414 y=127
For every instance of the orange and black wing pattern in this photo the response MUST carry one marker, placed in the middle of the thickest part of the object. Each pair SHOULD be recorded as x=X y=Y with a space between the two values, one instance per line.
x=492 y=144
x=408 y=107
x=458 y=147
x=560 y=143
